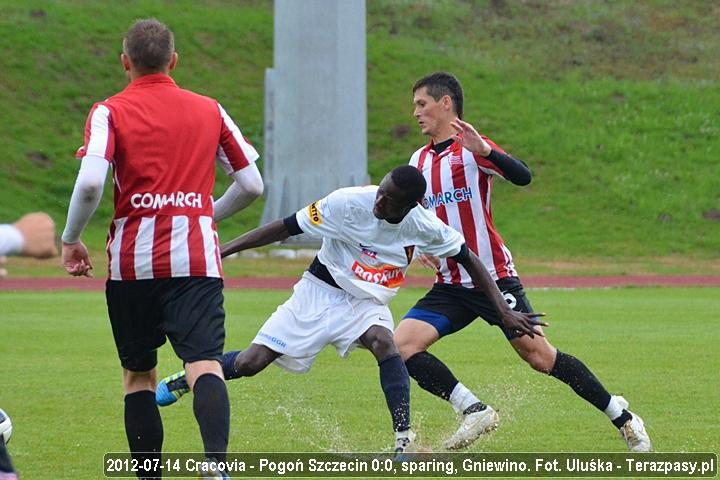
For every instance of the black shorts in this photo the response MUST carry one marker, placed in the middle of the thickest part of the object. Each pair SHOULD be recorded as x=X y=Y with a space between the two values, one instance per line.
x=450 y=308
x=188 y=310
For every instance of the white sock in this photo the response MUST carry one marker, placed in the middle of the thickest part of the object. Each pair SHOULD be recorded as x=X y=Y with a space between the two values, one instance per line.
x=402 y=434
x=614 y=409
x=461 y=398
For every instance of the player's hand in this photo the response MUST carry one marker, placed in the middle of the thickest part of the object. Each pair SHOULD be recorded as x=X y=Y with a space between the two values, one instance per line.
x=430 y=261
x=38 y=231
x=523 y=323
x=470 y=138
x=76 y=260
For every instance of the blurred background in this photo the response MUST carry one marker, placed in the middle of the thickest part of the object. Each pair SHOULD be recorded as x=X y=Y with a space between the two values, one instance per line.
x=614 y=105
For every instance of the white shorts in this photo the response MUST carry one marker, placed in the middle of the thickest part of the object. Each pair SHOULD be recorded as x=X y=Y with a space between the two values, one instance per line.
x=316 y=315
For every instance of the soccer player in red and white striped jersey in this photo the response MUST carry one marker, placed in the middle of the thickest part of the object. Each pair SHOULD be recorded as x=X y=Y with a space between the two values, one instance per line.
x=165 y=275
x=459 y=166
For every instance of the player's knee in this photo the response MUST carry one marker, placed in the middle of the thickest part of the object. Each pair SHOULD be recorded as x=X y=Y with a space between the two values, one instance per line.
x=539 y=361
x=380 y=342
x=408 y=344
x=139 y=381
x=407 y=347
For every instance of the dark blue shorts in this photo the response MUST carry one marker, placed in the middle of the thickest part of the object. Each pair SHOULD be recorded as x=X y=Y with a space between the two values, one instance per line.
x=187 y=310
x=450 y=308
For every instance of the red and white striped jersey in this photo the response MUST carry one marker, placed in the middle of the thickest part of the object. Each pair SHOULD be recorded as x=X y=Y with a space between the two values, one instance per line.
x=162 y=142
x=459 y=186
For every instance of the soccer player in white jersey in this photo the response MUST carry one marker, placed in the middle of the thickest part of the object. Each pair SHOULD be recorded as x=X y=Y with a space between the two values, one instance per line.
x=459 y=166
x=370 y=235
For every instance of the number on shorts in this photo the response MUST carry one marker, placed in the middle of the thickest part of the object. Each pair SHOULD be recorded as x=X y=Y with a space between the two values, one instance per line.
x=510 y=299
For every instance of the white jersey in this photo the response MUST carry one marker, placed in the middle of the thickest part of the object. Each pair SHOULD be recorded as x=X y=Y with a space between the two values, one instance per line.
x=459 y=186
x=368 y=257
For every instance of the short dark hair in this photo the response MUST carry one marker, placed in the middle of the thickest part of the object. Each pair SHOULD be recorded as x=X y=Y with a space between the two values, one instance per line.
x=440 y=84
x=409 y=179
x=150 y=44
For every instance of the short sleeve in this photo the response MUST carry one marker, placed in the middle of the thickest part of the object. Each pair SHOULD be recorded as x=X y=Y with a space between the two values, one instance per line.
x=440 y=239
x=99 y=134
x=234 y=151
x=325 y=217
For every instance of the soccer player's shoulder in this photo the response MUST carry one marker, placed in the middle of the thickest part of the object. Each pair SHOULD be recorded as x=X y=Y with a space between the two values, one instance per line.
x=415 y=157
x=422 y=218
x=356 y=193
x=354 y=197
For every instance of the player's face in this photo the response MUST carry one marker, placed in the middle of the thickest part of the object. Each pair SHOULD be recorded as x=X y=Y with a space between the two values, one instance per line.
x=390 y=203
x=430 y=114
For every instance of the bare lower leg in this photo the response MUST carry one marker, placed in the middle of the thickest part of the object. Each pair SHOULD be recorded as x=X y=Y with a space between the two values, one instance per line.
x=248 y=362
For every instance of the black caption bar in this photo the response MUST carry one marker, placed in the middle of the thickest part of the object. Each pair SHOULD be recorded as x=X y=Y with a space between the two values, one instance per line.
x=369 y=465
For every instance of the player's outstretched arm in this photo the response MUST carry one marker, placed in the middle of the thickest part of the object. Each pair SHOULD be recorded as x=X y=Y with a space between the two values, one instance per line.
x=275 y=231
x=38 y=232
x=519 y=322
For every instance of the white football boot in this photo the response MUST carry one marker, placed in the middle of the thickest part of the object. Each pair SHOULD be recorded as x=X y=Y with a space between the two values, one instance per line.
x=472 y=426
x=404 y=444
x=633 y=432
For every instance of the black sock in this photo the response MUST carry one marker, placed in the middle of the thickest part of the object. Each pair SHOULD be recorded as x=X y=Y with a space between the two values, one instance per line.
x=212 y=411
x=572 y=371
x=144 y=430
x=228 y=364
x=431 y=374
x=5 y=462
x=395 y=383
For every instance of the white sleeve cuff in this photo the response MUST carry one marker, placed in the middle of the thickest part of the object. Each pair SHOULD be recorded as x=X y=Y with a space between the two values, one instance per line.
x=11 y=240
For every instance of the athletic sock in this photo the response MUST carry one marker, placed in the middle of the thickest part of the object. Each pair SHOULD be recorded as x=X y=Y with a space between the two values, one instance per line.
x=613 y=409
x=616 y=413
x=395 y=383
x=212 y=411
x=463 y=399
x=431 y=374
x=5 y=462
x=572 y=371
x=144 y=430
x=228 y=364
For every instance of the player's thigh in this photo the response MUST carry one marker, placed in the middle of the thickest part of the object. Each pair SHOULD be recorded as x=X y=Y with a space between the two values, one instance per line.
x=194 y=318
x=413 y=336
x=514 y=294
x=360 y=322
x=135 y=318
x=298 y=327
x=444 y=308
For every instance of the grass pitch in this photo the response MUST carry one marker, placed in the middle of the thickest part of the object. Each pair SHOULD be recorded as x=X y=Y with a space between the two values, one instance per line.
x=61 y=382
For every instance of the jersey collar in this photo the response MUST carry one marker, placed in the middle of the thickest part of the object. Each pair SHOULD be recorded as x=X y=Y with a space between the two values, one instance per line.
x=153 y=78
x=454 y=147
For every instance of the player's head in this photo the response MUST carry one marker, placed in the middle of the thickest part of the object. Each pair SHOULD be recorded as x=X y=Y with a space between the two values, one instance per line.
x=438 y=99
x=148 y=47
x=398 y=193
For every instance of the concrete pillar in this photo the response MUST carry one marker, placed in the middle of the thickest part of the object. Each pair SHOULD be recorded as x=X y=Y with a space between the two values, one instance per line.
x=316 y=107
